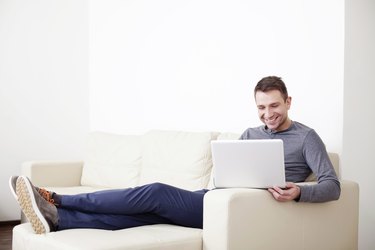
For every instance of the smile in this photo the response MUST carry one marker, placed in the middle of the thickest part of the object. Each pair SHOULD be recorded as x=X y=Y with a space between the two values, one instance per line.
x=273 y=119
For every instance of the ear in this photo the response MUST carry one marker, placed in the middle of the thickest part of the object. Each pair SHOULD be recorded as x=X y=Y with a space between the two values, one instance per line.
x=288 y=101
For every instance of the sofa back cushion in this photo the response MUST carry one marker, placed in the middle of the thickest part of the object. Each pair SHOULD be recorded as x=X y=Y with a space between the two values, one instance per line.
x=112 y=160
x=181 y=159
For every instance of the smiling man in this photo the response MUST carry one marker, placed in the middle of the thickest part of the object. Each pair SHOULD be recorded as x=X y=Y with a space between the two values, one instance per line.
x=304 y=150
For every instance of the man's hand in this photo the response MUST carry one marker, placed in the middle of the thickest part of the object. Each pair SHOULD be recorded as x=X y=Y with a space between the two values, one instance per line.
x=289 y=193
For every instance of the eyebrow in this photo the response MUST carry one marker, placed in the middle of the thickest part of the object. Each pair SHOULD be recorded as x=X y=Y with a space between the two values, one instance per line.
x=274 y=103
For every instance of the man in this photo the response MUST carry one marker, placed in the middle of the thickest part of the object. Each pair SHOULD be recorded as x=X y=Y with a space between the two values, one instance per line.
x=160 y=203
x=304 y=150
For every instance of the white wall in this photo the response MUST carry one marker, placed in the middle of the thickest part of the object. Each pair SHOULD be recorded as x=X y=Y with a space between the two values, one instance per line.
x=43 y=86
x=193 y=64
x=182 y=65
x=359 y=116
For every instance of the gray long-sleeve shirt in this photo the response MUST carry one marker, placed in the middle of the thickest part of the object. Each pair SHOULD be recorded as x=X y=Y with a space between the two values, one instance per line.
x=304 y=153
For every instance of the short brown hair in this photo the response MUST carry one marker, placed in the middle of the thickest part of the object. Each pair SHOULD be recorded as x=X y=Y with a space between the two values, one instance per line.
x=272 y=83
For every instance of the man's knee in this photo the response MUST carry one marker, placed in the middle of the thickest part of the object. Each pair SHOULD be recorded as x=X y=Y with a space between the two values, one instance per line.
x=158 y=187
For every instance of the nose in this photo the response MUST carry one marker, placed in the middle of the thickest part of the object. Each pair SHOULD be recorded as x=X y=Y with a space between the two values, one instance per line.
x=268 y=113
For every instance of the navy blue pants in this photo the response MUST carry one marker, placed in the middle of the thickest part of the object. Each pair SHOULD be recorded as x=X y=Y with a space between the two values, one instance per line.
x=155 y=203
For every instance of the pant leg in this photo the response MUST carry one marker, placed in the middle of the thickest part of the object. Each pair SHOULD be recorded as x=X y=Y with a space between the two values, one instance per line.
x=69 y=219
x=181 y=207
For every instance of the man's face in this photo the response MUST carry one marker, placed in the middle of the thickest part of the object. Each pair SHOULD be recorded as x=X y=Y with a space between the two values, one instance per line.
x=273 y=110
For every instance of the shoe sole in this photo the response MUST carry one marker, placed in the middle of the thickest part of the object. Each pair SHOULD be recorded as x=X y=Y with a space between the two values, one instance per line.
x=29 y=207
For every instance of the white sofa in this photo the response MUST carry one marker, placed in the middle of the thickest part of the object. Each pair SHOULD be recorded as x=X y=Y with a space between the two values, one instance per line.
x=234 y=219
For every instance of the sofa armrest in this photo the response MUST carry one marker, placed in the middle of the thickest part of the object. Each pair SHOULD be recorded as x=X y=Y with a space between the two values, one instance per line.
x=252 y=219
x=57 y=174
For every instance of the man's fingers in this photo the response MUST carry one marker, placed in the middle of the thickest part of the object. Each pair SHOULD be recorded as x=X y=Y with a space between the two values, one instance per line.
x=290 y=192
x=276 y=194
x=279 y=190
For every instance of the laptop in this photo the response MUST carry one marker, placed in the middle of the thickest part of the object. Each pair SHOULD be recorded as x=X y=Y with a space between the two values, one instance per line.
x=248 y=163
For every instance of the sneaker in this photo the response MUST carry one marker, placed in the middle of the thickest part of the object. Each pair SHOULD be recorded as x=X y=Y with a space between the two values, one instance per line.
x=41 y=214
x=47 y=195
x=12 y=185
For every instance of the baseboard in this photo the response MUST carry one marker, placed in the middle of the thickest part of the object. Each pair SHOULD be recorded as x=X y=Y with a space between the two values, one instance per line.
x=10 y=223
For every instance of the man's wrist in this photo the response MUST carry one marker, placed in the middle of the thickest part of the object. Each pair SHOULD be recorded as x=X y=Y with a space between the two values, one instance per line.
x=299 y=194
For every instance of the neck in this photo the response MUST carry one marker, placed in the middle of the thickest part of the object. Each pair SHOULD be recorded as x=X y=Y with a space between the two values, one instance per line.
x=286 y=124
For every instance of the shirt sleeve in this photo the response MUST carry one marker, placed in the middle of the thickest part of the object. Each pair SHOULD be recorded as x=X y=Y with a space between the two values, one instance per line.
x=244 y=135
x=327 y=187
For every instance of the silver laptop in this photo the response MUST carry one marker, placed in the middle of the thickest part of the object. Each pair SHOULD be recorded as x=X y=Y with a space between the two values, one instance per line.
x=248 y=163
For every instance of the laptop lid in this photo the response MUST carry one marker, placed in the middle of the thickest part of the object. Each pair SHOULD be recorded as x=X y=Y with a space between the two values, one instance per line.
x=248 y=163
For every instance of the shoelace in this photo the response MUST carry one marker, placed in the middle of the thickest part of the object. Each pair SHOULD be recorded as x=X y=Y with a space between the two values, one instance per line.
x=46 y=195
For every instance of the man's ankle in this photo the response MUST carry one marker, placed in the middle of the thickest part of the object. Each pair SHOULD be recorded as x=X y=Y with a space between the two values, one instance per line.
x=56 y=198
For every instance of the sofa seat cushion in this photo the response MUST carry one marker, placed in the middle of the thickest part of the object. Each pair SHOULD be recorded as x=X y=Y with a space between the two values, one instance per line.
x=181 y=159
x=162 y=237
x=75 y=189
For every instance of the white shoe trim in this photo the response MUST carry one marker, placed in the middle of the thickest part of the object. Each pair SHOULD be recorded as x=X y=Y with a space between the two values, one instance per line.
x=13 y=187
